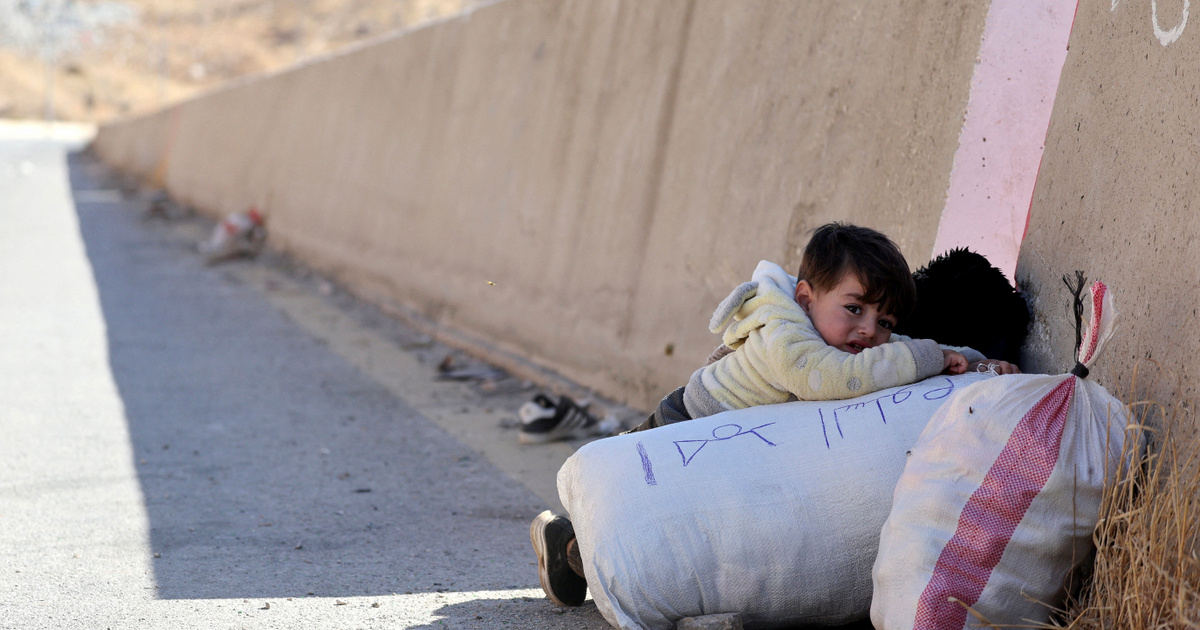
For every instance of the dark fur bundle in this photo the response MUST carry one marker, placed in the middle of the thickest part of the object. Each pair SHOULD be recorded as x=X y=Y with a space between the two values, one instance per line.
x=962 y=300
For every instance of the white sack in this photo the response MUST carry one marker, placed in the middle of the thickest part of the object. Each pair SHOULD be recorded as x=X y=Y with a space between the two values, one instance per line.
x=997 y=503
x=773 y=511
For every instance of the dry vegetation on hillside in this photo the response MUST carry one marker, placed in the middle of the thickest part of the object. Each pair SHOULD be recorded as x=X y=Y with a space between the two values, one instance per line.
x=168 y=50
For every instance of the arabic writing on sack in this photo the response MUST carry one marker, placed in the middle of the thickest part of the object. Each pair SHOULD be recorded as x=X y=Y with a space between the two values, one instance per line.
x=689 y=449
x=836 y=415
x=831 y=417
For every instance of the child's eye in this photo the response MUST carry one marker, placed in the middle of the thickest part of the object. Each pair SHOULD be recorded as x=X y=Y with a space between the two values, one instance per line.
x=885 y=324
x=854 y=308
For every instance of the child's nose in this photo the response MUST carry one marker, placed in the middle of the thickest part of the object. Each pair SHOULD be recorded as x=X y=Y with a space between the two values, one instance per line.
x=868 y=328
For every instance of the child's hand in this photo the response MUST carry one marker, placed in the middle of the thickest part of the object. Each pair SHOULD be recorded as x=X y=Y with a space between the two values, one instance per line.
x=953 y=362
x=994 y=365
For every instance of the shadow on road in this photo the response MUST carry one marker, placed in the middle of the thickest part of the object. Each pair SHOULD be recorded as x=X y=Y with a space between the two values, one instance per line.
x=488 y=614
x=268 y=465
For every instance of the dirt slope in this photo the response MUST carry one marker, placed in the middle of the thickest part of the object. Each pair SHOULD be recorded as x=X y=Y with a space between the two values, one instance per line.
x=172 y=49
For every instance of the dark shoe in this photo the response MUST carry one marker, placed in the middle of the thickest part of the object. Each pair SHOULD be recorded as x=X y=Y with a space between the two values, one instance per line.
x=550 y=535
x=543 y=420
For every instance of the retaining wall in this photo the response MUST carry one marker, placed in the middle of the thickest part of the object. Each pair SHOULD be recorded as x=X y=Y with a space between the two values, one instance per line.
x=581 y=182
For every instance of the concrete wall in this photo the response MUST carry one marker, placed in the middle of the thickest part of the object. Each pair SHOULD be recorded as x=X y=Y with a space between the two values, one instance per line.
x=614 y=167
x=1119 y=195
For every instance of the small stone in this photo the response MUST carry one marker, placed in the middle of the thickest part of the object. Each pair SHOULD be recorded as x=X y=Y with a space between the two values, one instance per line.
x=723 y=621
x=375 y=605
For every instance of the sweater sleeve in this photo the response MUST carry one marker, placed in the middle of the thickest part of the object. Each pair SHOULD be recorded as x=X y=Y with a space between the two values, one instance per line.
x=805 y=366
x=971 y=354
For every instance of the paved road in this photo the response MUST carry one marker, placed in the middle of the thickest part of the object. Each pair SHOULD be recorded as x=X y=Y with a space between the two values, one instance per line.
x=224 y=447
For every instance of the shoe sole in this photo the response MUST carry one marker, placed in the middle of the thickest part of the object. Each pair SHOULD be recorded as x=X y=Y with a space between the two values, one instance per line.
x=536 y=530
x=604 y=428
x=542 y=438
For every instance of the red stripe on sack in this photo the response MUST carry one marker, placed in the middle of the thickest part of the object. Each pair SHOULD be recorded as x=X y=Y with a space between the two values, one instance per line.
x=993 y=512
x=1098 y=291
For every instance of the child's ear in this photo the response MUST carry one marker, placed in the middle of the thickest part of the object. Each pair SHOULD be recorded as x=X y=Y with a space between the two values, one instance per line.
x=804 y=294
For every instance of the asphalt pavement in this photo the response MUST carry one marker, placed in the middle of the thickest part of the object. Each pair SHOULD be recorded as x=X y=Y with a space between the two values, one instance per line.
x=239 y=445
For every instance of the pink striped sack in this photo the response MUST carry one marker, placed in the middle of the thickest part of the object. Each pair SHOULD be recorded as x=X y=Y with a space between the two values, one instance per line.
x=999 y=497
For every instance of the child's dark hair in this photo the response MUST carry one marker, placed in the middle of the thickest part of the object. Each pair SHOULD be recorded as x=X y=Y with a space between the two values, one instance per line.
x=836 y=249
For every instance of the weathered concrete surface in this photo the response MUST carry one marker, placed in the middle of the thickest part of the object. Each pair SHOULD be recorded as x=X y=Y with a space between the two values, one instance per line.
x=614 y=167
x=1117 y=197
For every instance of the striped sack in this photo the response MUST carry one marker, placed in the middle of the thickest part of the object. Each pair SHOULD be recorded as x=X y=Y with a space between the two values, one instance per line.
x=998 y=500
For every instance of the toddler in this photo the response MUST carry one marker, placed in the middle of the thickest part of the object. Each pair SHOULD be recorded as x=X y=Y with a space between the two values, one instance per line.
x=827 y=336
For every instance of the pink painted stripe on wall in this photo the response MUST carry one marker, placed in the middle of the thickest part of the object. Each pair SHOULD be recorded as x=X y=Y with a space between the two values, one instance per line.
x=993 y=512
x=1000 y=148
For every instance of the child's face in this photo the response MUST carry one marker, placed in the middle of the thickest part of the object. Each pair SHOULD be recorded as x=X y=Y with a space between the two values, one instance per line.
x=841 y=316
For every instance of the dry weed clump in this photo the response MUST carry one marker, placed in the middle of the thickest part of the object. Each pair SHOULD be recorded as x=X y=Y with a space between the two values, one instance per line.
x=1147 y=569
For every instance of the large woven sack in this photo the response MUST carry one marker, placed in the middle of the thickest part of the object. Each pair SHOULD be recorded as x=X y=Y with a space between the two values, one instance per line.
x=773 y=511
x=998 y=501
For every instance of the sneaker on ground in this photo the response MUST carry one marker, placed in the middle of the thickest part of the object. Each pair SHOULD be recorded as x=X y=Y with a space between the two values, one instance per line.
x=543 y=420
x=550 y=534
x=540 y=407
